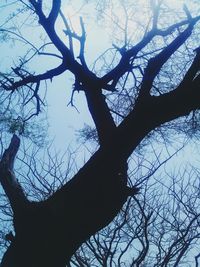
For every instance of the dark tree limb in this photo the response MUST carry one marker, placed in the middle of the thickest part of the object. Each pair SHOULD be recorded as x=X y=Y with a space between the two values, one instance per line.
x=56 y=4
x=101 y=114
x=10 y=184
x=68 y=32
x=192 y=71
x=85 y=79
x=154 y=111
x=155 y=64
x=123 y=66
x=82 y=45
x=35 y=78
x=48 y=233
x=49 y=26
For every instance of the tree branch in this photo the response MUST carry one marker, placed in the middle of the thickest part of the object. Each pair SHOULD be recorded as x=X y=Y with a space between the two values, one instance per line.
x=34 y=78
x=101 y=114
x=82 y=44
x=49 y=26
x=67 y=31
x=155 y=111
x=85 y=79
x=54 y=11
x=124 y=64
x=8 y=180
x=155 y=64
x=192 y=71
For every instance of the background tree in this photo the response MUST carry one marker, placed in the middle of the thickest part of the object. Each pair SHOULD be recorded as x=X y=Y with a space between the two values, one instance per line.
x=133 y=92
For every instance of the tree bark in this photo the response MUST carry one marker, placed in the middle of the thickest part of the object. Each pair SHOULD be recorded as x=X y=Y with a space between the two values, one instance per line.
x=48 y=233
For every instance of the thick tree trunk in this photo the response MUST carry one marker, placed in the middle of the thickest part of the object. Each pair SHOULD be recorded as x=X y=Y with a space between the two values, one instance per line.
x=49 y=232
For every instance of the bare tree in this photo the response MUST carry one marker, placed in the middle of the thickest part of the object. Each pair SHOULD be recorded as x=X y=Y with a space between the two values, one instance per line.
x=48 y=233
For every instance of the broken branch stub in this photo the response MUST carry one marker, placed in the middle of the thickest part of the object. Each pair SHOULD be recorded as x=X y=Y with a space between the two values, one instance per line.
x=10 y=184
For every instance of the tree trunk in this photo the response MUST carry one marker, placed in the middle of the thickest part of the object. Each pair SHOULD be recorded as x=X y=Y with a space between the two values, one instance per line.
x=48 y=233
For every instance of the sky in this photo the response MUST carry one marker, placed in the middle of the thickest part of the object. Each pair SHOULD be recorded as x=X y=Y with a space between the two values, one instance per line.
x=62 y=116
x=64 y=120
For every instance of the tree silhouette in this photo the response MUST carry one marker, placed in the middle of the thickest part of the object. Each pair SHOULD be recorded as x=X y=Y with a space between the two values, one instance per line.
x=49 y=232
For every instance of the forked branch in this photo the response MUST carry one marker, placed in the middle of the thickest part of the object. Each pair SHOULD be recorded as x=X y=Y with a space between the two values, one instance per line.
x=124 y=64
x=11 y=86
x=155 y=64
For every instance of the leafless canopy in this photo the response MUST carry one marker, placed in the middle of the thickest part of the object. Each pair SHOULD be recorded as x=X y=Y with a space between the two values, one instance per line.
x=128 y=98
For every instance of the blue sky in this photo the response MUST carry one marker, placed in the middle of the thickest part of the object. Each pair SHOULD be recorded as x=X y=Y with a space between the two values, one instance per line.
x=64 y=120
